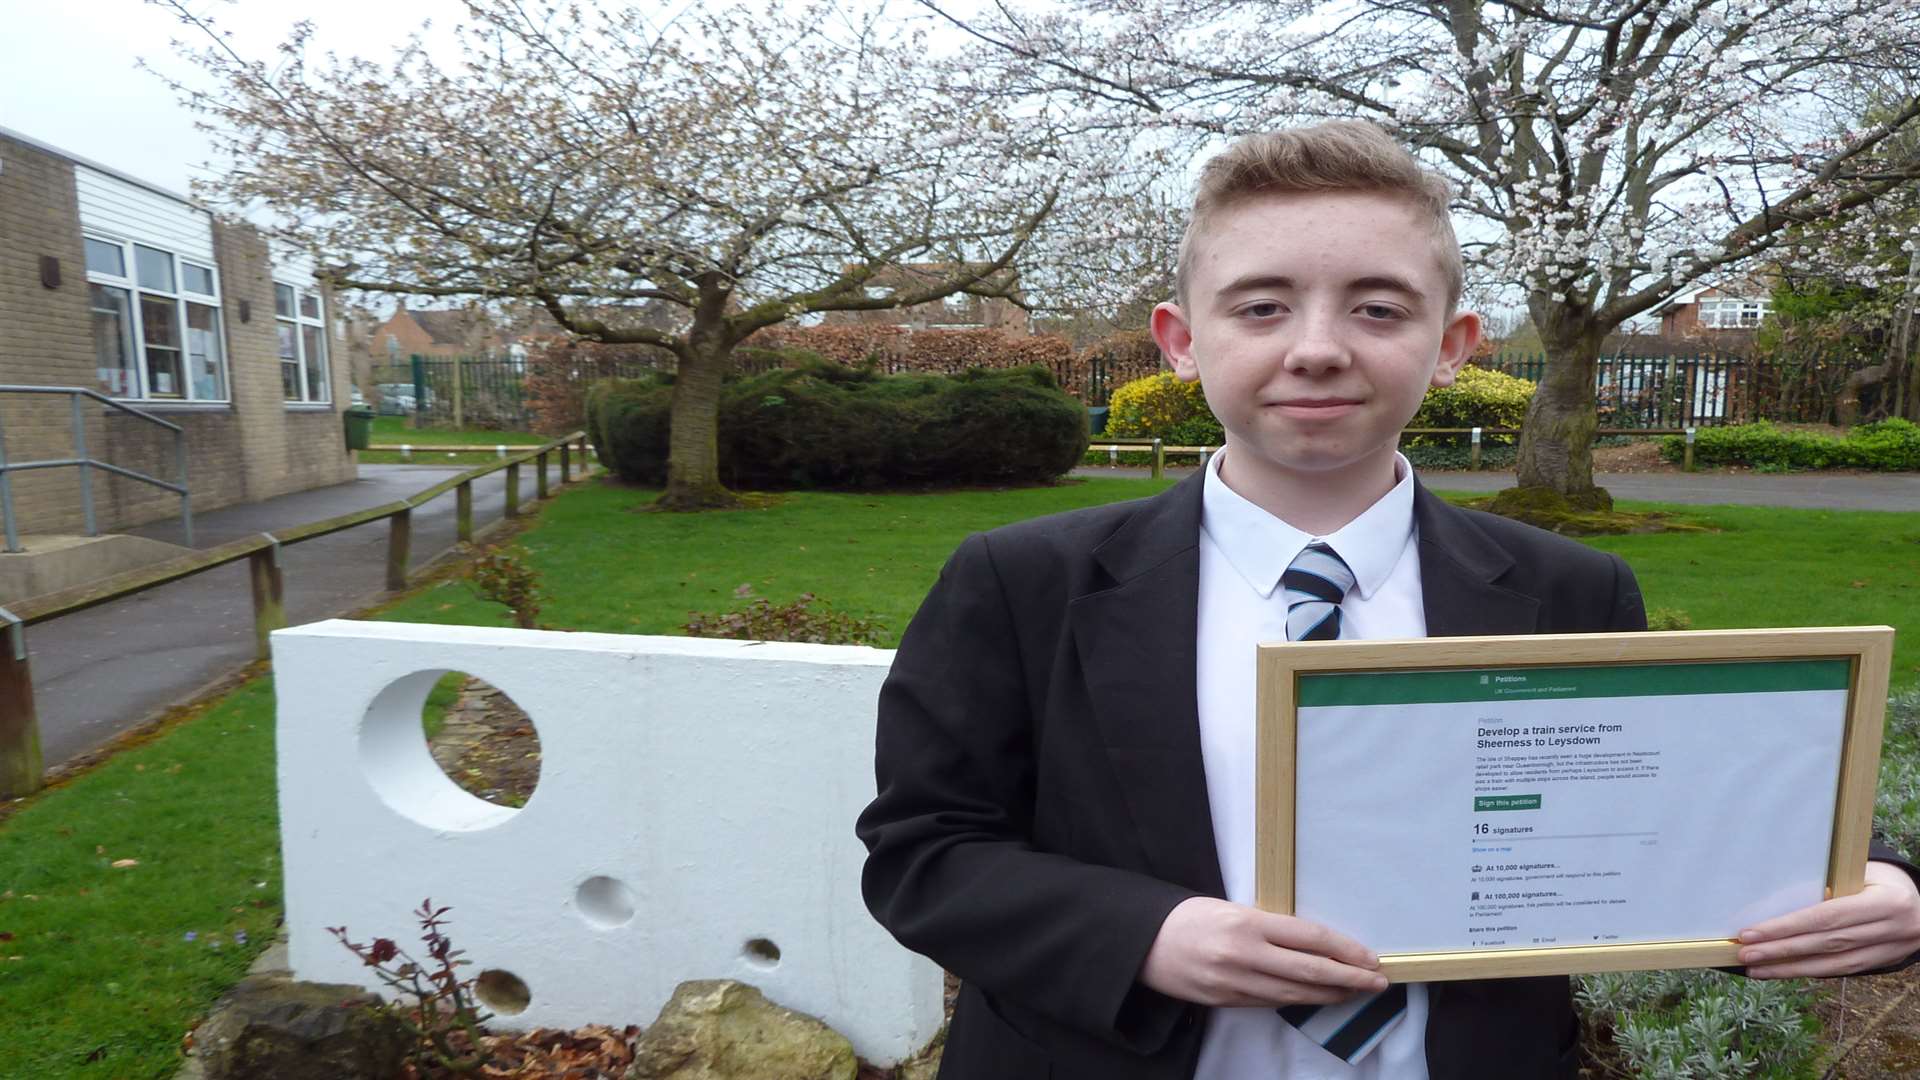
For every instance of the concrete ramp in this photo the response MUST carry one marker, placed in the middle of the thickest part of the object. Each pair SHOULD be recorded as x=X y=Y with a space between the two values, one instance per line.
x=53 y=562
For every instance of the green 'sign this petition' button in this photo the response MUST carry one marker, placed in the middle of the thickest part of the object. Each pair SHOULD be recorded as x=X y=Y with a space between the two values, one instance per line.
x=1505 y=802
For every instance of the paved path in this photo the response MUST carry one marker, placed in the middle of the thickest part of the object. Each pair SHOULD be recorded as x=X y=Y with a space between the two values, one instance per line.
x=1810 y=491
x=101 y=671
x=104 y=670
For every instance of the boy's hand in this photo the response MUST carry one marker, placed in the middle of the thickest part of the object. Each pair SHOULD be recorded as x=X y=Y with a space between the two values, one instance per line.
x=1874 y=927
x=1215 y=953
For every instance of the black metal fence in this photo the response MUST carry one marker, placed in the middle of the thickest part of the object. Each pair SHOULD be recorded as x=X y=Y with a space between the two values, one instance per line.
x=1632 y=391
x=1700 y=391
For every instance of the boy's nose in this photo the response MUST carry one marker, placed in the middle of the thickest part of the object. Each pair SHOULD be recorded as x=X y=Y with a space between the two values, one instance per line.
x=1316 y=347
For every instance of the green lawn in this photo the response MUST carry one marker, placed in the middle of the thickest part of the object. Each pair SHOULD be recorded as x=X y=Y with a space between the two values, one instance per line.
x=394 y=429
x=95 y=960
x=97 y=975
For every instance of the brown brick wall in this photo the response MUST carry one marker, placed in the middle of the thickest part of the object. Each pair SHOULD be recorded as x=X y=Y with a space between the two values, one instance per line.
x=253 y=450
x=287 y=449
x=45 y=334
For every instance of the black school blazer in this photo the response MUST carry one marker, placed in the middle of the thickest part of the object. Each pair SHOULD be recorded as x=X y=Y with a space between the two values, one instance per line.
x=1042 y=804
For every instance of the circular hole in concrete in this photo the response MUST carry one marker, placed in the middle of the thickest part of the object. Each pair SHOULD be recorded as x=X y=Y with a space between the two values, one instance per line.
x=502 y=991
x=604 y=902
x=481 y=739
x=762 y=953
x=406 y=772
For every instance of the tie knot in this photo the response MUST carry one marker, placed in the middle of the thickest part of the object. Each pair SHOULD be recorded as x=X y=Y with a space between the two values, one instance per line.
x=1320 y=572
x=1314 y=584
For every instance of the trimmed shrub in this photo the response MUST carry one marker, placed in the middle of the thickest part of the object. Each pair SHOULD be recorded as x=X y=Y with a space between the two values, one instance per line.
x=1677 y=1024
x=1479 y=397
x=1896 y=804
x=824 y=425
x=1152 y=407
x=1886 y=444
x=1424 y=454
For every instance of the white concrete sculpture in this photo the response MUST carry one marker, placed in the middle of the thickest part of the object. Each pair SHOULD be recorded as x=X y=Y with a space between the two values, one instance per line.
x=693 y=820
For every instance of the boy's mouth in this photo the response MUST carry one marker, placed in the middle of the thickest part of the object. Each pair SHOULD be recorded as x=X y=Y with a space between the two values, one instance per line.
x=1317 y=406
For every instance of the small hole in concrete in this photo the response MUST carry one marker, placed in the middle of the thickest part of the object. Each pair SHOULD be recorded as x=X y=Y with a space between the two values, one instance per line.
x=501 y=991
x=762 y=953
x=604 y=902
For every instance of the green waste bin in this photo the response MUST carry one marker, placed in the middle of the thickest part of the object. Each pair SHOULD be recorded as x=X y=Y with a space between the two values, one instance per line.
x=1096 y=419
x=359 y=427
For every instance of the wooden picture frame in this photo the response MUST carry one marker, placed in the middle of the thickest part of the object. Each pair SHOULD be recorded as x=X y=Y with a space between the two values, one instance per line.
x=1282 y=667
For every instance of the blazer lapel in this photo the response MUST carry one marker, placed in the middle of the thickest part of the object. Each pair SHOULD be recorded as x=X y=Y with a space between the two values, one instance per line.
x=1459 y=564
x=1136 y=642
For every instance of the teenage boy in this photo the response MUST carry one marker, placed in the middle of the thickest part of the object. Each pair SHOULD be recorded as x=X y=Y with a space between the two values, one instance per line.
x=1065 y=750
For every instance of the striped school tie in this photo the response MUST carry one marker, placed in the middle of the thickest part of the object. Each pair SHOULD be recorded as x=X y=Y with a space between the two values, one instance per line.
x=1314 y=585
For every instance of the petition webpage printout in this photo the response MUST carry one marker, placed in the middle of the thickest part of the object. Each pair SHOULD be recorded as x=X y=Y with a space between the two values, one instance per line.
x=1530 y=807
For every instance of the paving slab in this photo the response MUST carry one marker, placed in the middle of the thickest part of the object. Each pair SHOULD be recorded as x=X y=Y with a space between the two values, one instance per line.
x=99 y=672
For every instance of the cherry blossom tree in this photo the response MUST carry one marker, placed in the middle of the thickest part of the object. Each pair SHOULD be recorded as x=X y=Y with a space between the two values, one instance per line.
x=1612 y=152
x=746 y=166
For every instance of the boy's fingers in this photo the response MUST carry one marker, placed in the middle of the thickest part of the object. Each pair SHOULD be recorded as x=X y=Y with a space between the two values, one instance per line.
x=1259 y=990
x=1303 y=936
x=1882 y=934
x=1820 y=918
x=1307 y=968
x=1820 y=966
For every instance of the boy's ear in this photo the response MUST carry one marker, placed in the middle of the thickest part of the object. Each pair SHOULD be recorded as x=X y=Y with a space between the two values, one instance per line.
x=1174 y=335
x=1457 y=343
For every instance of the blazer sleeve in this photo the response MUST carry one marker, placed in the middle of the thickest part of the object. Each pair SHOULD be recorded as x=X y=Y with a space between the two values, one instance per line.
x=952 y=869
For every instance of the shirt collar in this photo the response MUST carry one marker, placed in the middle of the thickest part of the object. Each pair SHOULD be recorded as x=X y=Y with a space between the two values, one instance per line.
x=1260 y=546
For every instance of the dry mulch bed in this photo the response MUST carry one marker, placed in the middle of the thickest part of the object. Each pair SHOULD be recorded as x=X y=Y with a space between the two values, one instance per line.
x=1878 y=1026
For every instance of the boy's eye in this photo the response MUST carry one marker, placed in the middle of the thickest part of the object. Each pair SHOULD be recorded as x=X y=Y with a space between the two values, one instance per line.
x=1380 y=311
x=1262 y=309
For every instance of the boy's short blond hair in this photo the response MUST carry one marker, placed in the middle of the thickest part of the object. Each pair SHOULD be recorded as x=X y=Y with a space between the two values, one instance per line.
x=1339 y=155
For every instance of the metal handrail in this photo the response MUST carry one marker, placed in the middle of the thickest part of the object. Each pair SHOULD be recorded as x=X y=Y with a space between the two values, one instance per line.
x=86 y=464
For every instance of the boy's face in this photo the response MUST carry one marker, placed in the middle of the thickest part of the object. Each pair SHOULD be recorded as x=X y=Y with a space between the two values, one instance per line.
x=1315 y=323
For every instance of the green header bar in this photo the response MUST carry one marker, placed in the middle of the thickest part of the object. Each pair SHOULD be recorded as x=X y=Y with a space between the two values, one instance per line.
x=1557 y=683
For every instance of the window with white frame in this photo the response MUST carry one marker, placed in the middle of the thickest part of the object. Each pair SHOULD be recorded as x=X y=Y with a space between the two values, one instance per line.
x=156 y=323
x=1733 y=314
x=302 y=323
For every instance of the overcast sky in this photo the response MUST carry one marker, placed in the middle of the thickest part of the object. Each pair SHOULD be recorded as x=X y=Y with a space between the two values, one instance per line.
x=69 y=75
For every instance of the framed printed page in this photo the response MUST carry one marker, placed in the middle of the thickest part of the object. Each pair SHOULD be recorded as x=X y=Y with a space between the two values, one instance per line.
x=1539 y=805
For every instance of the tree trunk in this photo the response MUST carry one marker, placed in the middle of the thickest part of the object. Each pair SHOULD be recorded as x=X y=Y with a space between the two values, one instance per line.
x=693 y=441
x=1556 y=440
x=1846 y=404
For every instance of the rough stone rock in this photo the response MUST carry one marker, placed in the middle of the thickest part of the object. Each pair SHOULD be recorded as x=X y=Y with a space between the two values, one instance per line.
x=273 y=1028
x=719 y=1029
x=924 y=1065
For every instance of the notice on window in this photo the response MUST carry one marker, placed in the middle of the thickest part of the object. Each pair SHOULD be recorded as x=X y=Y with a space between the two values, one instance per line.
x=1535 y=807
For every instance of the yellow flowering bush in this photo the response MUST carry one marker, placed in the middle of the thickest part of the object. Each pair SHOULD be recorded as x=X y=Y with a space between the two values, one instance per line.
x=1479 y=397
x=1151 y=407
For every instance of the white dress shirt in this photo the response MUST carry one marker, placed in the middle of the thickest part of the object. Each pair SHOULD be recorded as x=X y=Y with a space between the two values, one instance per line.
x=1243 y=552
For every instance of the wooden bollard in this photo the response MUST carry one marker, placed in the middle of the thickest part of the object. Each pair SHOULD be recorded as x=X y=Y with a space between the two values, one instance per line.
x=1474 y=464
x=269 y=597
x=1687 y=464
x=513 y=490
x=540 y=477
x=20 y=762
x=1159 y=459
x=399 y=546
x=463 y=511
x=566 y=464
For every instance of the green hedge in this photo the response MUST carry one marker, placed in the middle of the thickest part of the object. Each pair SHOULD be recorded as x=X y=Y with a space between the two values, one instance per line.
x=1887 y=444
x=1161 y=406
x=823 y=425
x=1479 y=397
